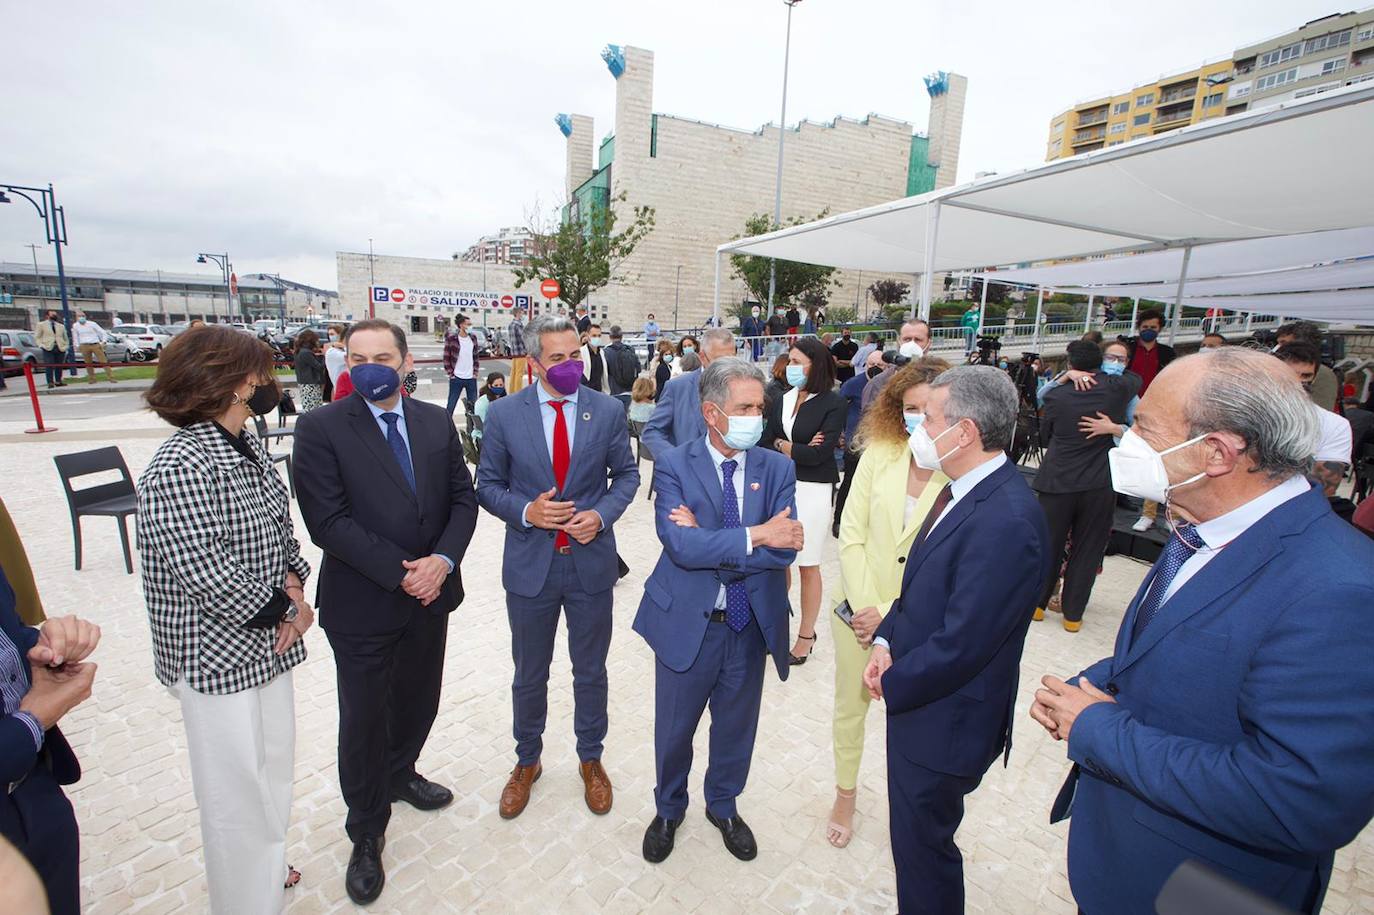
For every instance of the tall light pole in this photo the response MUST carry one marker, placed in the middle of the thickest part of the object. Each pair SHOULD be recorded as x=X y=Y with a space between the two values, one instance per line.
x=782 y=133
x=223 y=261
x=371 y=283
x=677 y=288
x=37 y=280
x=55 y=226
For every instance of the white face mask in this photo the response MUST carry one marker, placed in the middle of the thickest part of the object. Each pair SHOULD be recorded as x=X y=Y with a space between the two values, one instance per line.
x=1138 y=469
x=923 y=447
x=912 y=350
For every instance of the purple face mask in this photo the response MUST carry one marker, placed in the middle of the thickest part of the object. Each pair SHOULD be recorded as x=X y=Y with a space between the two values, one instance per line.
x=565 y=376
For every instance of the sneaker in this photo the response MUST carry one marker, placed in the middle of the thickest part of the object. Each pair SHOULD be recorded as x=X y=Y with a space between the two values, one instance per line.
x=1143 y=524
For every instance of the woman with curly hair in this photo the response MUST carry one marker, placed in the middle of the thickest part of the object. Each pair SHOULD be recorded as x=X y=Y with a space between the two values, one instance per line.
x=887 y=504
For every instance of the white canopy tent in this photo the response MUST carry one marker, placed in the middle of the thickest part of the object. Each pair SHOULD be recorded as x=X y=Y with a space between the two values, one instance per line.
x=1222 y=180
x=1355 y=305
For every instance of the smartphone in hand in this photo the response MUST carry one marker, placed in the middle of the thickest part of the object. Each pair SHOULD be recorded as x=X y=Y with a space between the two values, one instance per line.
x=845 y=613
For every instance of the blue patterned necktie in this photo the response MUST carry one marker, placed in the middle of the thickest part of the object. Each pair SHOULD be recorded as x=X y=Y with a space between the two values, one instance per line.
x=736 y=595
x=1180 y=548
x=398 y=447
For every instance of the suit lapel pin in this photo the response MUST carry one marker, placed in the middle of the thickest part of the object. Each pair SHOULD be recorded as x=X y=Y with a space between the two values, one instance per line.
x=754 y=487
x=586 y=417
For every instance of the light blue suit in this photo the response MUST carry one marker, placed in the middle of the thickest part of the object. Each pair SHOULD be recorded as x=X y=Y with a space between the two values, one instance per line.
x=701 y=661
x=677 y=416
x=515 y=469
x=1242 y=735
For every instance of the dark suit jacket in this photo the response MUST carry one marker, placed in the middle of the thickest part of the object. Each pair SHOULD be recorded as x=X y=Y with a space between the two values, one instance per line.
x=361 y=511
x=1243 y=729
x=819 y=413
x=684 y=586
x=1073 y=462
x=677 y=418
x=17 y=755
x=957 y=631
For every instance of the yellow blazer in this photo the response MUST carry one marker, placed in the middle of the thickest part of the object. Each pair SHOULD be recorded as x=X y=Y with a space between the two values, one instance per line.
x=874 y=541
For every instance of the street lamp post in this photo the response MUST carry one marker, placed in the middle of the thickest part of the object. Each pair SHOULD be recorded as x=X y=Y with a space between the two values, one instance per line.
x=677 y=288
x=371 y=283
x=782 y=133
x=38 y=280
x=55 y=226
x=223 y=261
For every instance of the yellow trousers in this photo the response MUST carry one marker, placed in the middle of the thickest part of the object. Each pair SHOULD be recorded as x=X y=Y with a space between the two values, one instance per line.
x=516 y=381
x=851 y=703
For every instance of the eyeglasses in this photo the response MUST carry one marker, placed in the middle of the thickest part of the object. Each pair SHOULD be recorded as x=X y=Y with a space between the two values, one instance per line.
x=1120 y=359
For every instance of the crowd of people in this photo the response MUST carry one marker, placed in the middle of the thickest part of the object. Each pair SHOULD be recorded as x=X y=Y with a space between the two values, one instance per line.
x=1230 y=726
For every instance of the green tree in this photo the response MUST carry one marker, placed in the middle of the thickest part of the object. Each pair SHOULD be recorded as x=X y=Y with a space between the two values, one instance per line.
x=583 y=256
x=839 y=314
x=794 y=280
x=889 y=292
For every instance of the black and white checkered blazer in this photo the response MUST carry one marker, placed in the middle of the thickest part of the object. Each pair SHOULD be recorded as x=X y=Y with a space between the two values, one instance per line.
x=214 y=533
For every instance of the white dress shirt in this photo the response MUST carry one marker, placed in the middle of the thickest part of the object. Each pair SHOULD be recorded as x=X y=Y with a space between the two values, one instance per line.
x=737 y=481
x=87 y=332
x=1220 y=531
x=400 y=411
x=547 y=418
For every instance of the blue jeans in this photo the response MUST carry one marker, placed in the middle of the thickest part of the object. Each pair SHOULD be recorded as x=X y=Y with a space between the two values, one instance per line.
x=457 y=386
x=969 y=334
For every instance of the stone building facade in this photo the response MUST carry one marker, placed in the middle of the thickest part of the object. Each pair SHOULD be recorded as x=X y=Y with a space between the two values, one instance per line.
x=704 y=181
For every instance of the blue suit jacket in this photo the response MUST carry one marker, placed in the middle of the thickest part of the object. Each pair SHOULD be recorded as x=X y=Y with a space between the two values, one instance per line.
x=681 y=593
x=515 y=469
x=1243 y=729
x=677 y=417
x=17 y=755
x=956 y=633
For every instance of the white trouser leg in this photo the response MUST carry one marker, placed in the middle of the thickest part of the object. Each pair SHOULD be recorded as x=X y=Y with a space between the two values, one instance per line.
x=242 y=749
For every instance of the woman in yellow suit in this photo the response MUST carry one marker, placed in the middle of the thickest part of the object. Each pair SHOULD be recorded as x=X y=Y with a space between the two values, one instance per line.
x=888 y=501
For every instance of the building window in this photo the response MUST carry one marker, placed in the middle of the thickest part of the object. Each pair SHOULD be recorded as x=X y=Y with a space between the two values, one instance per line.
x=1142 y=119
x=1334 y=40
x=1279 y=55
x=1212 y=100
x=1117 y=128
x=1147 y=99
x=1114 y=142
x=1365 y=34
x=1121 y=107
x=1317 y=90
x=1334 y=65
x=1058 y=125
x=653 y=138
x=1274 y=80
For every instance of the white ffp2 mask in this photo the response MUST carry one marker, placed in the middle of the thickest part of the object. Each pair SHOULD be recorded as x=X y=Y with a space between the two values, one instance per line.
x=1138 y=469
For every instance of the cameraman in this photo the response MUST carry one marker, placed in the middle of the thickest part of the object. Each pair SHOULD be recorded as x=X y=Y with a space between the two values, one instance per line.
x=914 y=342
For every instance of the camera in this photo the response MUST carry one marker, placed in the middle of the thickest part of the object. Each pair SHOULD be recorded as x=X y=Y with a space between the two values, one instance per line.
x=987 y=348
x=895 y=357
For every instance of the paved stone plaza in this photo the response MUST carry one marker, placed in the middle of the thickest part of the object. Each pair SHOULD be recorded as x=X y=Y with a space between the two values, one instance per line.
x=140 y=834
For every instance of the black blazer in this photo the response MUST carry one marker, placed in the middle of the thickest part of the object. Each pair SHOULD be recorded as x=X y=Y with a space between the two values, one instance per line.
x=819 y=413
x=361 y=511
x=1073 y=462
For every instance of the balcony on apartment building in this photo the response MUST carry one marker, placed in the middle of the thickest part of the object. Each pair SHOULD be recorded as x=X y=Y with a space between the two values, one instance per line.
x=1087 y=136
x=1178 y=93
x=1092 y=117
x=1168 y=117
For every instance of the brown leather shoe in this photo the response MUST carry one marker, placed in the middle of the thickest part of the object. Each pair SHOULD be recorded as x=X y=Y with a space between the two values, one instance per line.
x=598 y=792
x=516 y=794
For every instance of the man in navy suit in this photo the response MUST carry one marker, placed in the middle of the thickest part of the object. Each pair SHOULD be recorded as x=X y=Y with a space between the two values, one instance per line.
x=557 y=468
x=946 y=658
x=677 y=416
x=1234 y=723
x=716 y=604
x=44 y=675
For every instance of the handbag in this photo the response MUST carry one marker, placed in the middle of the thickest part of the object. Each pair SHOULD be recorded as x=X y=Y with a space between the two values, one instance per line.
x=287 y=407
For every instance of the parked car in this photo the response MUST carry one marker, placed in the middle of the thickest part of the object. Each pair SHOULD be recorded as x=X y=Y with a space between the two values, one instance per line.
x=16 y=348
x=150 y=338
x=178 y=328
x=119 y=349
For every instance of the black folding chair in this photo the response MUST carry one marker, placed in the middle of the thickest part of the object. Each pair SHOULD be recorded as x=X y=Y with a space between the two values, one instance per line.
x=471 y=442
x=269 y=436
x=642 y=452
x=116 y=500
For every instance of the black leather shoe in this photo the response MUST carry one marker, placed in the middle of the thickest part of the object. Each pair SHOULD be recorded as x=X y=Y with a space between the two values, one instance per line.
x=658 y=839
x=739 y=838
x=365 y=877
x=422 y=794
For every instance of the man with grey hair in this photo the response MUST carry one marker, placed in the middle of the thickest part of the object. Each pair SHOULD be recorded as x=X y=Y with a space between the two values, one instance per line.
x=913 y=342
x=677 y=416
x=1234 y=724
x=560 y=553
x=946 y=658
x=716 y=604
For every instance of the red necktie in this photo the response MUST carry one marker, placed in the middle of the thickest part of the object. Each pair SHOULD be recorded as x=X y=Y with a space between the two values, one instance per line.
x=561 y=458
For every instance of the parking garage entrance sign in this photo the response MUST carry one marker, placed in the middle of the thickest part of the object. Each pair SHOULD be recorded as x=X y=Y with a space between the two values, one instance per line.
x=453 y=300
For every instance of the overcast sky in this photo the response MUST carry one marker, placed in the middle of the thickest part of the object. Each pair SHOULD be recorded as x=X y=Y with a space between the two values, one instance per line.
x=285 y=131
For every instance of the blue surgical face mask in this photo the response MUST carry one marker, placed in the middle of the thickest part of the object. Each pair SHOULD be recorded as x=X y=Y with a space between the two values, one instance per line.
x=375 y=382
x=1113 y=368
x=913 y=420
x=744 y=432
x=796 y=376
x=688 y=348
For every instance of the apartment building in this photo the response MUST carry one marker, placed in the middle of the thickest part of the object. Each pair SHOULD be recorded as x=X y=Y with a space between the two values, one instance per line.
x=508 y=246
x=1318 y=56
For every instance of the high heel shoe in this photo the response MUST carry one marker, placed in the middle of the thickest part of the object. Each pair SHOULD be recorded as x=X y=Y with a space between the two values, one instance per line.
x=796 y=661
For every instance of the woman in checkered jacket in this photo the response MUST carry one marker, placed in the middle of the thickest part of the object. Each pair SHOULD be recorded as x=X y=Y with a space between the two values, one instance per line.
x=223 y=577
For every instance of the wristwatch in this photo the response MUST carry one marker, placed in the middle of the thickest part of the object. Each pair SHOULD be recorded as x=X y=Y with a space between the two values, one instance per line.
x=291 y=613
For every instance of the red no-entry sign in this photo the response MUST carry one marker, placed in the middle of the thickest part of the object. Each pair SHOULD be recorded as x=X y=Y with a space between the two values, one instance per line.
x=550 y=289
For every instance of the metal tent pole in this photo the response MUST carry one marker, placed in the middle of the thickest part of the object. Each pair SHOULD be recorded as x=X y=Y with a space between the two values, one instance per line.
x=1039 y=308
x=1135 y=309
x=983 y=304
x=1178 y=294
x=1088 y=319
x=928 y=275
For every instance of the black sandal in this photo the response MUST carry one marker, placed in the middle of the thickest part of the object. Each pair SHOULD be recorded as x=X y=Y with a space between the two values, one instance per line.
x=293 y=877
x=796 y=661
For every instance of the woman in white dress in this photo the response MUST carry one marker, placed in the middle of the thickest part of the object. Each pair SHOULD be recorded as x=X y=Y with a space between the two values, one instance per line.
x=805 y=424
